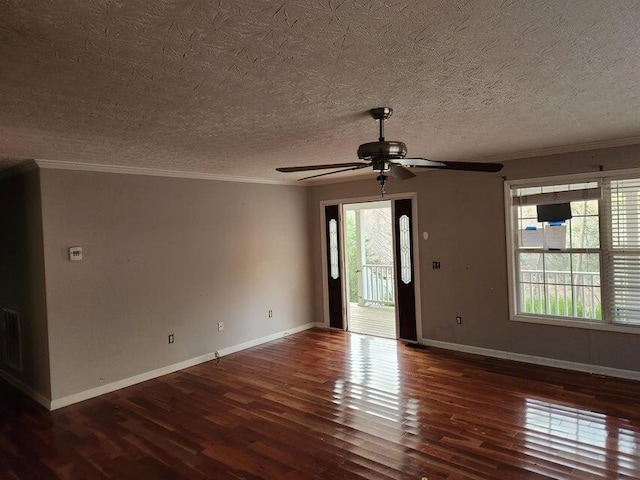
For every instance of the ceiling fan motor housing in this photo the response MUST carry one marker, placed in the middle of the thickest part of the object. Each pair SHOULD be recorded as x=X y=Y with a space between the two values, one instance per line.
x=386 y=150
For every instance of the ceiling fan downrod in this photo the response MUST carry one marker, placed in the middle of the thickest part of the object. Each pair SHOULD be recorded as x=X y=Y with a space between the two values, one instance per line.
x=381 y=114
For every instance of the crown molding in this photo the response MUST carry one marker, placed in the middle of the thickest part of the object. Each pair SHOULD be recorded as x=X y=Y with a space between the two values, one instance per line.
x=575 y=148
x=153 y=172
x=92 y=167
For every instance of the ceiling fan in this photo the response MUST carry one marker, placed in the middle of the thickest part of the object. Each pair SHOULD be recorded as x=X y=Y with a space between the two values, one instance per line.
x=386 y=156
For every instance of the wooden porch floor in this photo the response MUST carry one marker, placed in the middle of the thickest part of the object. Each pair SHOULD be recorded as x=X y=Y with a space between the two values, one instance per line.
x=377 y=321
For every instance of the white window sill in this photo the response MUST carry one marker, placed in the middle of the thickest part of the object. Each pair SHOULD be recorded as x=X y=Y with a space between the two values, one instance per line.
x=573 y=323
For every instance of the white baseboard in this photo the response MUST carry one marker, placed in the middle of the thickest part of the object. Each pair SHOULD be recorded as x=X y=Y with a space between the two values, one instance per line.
x=268 y=338
x=143 y=377
x=28 y=391
x=101 y=390
x=548 y=362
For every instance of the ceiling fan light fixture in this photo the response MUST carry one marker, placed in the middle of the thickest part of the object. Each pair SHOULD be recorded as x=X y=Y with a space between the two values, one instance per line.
x=382 y=180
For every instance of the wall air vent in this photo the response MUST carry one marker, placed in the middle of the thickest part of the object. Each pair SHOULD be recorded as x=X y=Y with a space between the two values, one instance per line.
x=11 y=336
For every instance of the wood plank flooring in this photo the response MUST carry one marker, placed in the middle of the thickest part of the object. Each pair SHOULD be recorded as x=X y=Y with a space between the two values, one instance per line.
x=374 y=320
x=332 y=405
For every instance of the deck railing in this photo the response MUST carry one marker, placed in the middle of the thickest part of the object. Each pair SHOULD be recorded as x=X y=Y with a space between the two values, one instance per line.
x=377 y=284
x=561 y=293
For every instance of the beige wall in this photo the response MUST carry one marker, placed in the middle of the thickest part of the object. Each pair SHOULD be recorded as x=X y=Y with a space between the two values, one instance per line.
x=162 y=256
x=464 y=216
x=22 y=286
x=167 y=255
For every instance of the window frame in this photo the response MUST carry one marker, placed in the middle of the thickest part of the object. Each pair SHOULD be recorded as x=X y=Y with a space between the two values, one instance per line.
x=511 y=228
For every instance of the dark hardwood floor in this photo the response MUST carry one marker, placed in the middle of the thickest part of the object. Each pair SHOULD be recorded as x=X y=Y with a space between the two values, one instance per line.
x=329 y=405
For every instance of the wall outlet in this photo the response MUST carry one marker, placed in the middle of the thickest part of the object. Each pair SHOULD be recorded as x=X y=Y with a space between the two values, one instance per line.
x=436 y=265
x=220 y=326
x=171 y=339
x=270 y=313
x=459 y=320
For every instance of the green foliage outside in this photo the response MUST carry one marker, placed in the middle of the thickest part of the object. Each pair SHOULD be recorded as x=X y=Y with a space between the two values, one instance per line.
x=351 y=255
x=378 y=248
x=557 y=306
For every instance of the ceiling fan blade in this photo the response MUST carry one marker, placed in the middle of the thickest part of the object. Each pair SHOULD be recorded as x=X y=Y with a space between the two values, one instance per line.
x=399 y=172
x=322 y=167
x=337 y=171
x=445 y=165
x=418 y=162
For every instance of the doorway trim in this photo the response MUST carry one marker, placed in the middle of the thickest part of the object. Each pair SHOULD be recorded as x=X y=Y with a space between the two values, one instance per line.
x=323 y=251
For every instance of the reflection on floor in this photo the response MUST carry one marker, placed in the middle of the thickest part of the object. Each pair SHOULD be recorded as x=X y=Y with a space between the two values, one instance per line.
x=581 y=435
x=378 y=321
x=330 y=405
x=492 y=419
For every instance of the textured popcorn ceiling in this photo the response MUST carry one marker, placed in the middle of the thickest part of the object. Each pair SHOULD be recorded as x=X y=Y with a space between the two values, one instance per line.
x=241 y=87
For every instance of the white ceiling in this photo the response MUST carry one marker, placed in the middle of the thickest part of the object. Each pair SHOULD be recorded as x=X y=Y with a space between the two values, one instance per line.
x=241 y=87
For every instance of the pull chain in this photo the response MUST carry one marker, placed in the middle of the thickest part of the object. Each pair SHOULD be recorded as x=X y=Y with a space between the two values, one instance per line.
x=382 y=180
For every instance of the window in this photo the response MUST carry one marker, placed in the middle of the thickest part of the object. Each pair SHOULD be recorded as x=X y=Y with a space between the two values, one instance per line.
x=623 y=254
x=405 y=249
x=333 y=249
x=575 y=251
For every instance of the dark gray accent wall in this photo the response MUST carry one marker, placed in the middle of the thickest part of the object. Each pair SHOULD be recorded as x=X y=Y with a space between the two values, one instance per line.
x=22 y=284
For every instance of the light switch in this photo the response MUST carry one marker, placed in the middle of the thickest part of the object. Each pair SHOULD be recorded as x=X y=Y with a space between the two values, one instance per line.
x=75 y=254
